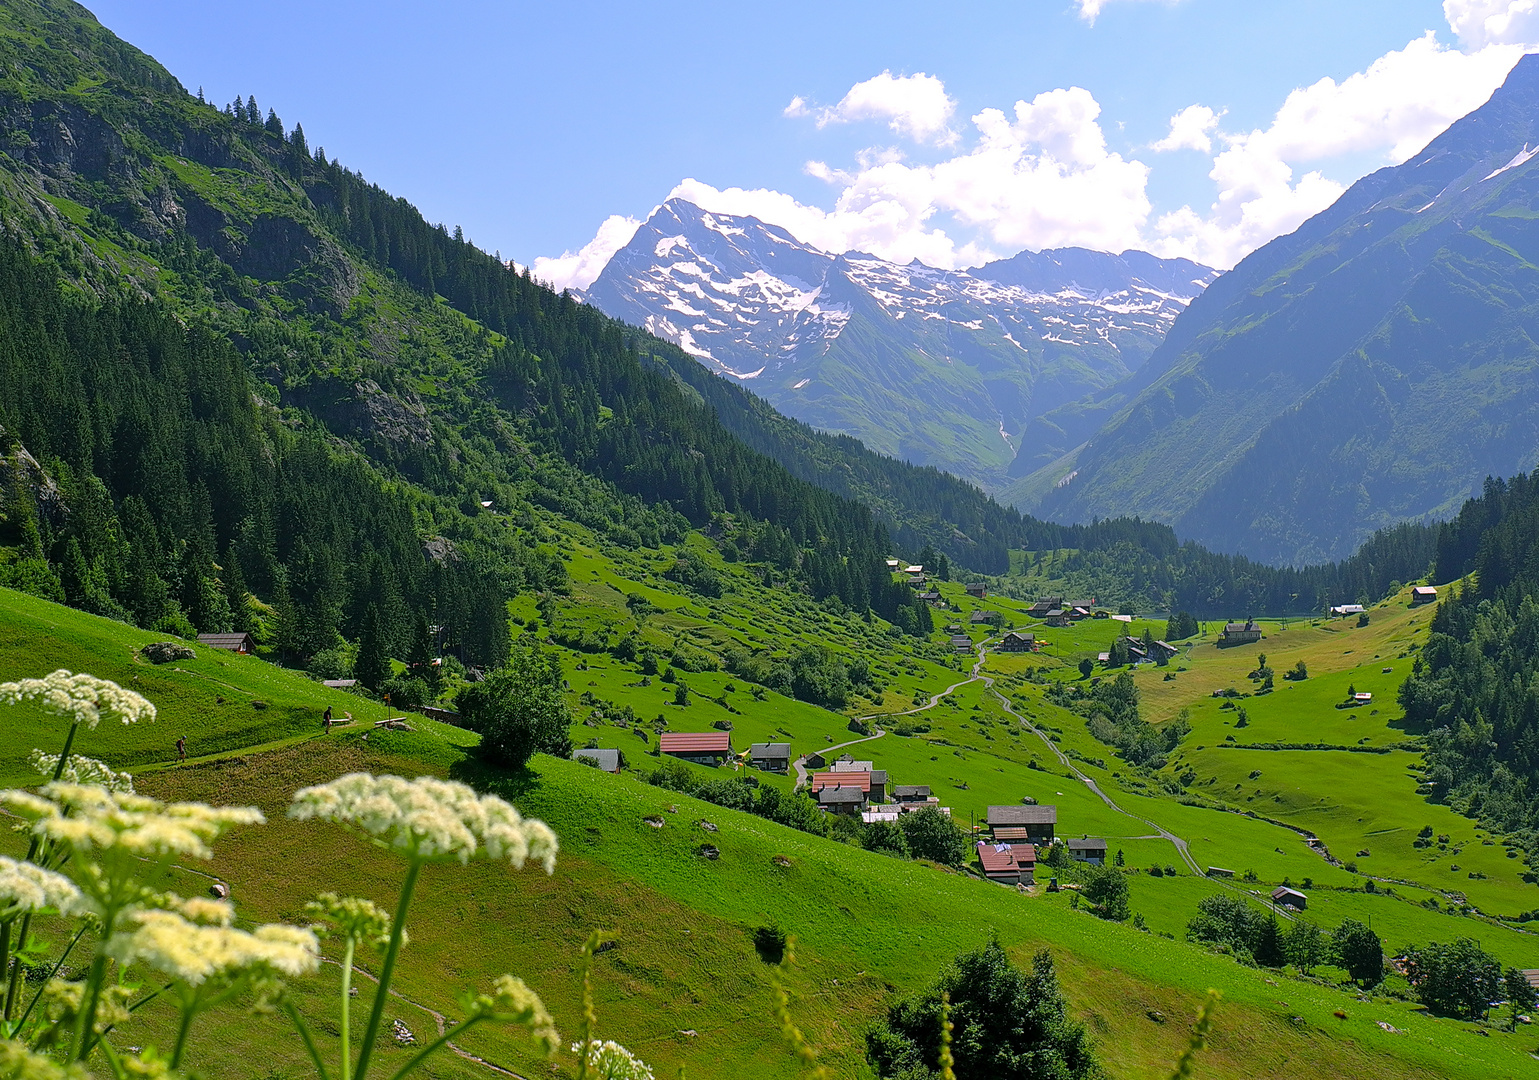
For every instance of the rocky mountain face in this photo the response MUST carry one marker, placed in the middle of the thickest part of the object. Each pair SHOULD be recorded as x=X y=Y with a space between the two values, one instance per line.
x=937 y=367
x=1372 y=367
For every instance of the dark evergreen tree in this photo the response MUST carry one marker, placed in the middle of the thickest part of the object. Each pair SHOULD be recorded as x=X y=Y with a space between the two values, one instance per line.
x=372 y=667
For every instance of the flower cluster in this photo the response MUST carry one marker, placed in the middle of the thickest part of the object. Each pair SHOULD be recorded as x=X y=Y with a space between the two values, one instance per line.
x=609 y=1060
x=82 y=770
x=429 y=819
x=361 y=920
x=27 y=888
x=86 y=818
x=514 y=1003
x=195 y=943
x=81 y=699
x=19 y=1063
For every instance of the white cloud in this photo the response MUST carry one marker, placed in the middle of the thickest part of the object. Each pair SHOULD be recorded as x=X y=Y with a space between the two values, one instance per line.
x=579 y=269
x=798 y=107
x=1190 y=129
x=1089 y=10
x=914 y=106
x=1493 y=22
x=1394 y=108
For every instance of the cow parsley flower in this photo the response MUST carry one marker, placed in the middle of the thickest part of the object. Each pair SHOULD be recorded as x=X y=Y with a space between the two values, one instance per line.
x=186 y=946
x=80 y=699
x=429 y=819
x=608 y=1060
x=19 y=1063
x=27 y=888
x=86 y=818
x=513 y=1002
x=356 y=918
x=82 y=770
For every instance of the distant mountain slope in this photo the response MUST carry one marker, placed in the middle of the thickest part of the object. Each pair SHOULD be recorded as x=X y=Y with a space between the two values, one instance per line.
x=937 y=367
x=1372 y=367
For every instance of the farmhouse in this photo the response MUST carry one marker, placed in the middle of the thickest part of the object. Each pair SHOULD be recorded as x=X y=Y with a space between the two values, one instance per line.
x=1088 y=849
x=989 y=617
x=1033 y=823
x=1423 y=594
x=861 y=780
x=1289 y=898
x=1012 y=864
x=910 y=793
x=978 y=589
x=1057 y=617
x=1239 y=633
x=607 y=760
x=841 y=800
x=1347 y=609
x=244 y=644
x=1163 y=652
x=930 y=597
x=703 y=748
x=770 y=756
x=1015 y=641
x=961 y=643
x=1040 y=609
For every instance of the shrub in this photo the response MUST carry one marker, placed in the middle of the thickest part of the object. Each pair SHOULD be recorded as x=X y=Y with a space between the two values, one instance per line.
x=520 y=709
x=1458 y=980
x=933 y=835
x=1106 y=888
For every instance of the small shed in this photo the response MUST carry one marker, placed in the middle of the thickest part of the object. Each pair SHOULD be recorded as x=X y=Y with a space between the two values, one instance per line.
x=607 y=760
x=1012 y=864
x=978 y=589
x=1362 y=697
x=770 y=756
x=701 y=747
x=339 y=684
x=879 y=785
x=1342 y=610
x=987 y=617
x=244 y=644
x=1088 y=849
x=1219 y=871
x=1291 y=898
x=910 y=793
x=1423 y=594
x=930 y=597
x=1038 y=821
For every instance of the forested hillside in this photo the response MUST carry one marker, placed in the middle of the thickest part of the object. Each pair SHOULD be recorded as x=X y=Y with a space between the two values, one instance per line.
x=1476 y=687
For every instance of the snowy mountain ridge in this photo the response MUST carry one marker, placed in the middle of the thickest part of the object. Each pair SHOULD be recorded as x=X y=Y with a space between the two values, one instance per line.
x=941 y=367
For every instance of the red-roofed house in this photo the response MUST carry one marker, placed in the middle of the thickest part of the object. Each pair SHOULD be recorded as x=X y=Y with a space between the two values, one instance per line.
x=1013 y=864
x=704 y=747
x=861 y=780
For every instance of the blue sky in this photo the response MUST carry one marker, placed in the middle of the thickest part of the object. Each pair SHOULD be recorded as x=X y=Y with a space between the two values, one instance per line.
x=532 y=125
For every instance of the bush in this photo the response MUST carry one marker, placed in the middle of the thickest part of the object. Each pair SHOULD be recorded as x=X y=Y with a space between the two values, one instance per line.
x=885 y=836
x=408 y=693
x=520 y=710
x=1107 y=890
x=1358 y=951
x=933 y=835
x=1459 y=980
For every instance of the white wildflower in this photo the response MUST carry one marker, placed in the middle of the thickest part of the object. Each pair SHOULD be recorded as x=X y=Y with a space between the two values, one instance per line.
x=608 y=1060
x=428 y=818
x=195 y=952
x=19 y=1063
x=80 y=699
x=356 y=918
x=87 y=818
x=512 y=1002
x=27 y=887
x=82 y=770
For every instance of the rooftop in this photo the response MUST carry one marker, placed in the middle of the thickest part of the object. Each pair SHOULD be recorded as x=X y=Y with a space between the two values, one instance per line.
x=1023 y=815
x=695 y=742
x=1004 y=858
x=860 y=780
x=770 y=749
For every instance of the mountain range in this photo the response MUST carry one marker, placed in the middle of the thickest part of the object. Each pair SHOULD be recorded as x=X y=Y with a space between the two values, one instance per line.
x=937 y=367
x=1372 y=367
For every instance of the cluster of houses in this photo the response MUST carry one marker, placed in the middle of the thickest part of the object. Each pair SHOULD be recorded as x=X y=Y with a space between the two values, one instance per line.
x=1016 y=833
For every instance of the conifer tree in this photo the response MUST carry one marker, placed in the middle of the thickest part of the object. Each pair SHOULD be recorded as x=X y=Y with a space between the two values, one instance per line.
x=373 y=664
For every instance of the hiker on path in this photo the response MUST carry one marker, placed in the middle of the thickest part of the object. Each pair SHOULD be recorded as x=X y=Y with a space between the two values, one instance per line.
x=328 y=718
x=181 y=748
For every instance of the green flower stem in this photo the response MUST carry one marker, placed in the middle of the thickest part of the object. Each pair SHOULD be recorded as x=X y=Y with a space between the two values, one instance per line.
x=5 y=953
x=52 y=974
x=15 y=980
x=87 y=1018
x=305 y=1037
x=377 y=1014
x=422 y=1054
x=347 y=993
x=189 y=1010
x=69 y=741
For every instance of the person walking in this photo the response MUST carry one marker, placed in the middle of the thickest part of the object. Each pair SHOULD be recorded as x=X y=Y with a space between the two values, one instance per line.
x=181 y=748
x=328 y=718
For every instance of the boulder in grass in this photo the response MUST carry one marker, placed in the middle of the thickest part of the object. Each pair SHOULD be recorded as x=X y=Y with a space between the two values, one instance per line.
x=164 y=652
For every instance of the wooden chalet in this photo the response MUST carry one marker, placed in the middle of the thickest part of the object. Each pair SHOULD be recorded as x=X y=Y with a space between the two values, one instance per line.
x=911 y=793
x=244 y=644
x=1034 y=823
x=848 y=799
x=930 y=597
x=1239 y=633
x=1423 y=594
x=990 y=618
x=1011 y=864
x=962 y=643
x=770 y=756
x=1015 y=641
x=1088 y=849
x=1289 y=898
x=978 y=589
x=701 y=747
x=1057 y=617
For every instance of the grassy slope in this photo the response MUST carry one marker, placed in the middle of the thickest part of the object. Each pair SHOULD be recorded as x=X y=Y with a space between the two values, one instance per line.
x=866 y=923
